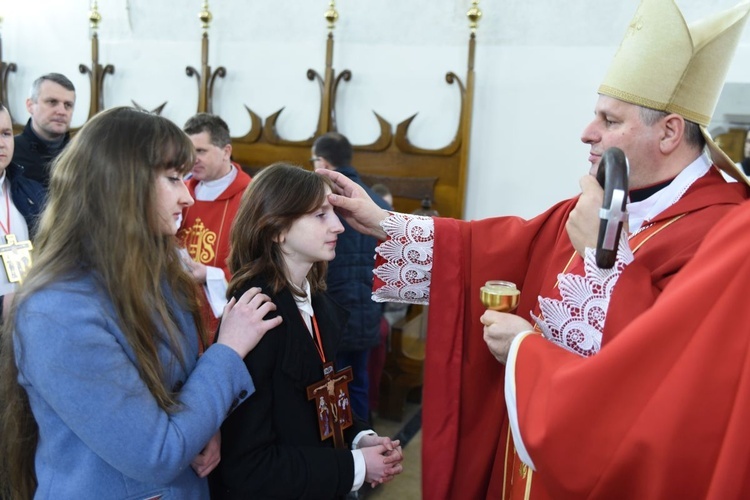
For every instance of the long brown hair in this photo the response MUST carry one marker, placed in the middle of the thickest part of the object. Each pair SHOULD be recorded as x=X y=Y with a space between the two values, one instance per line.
x=101 y=220
x=278 y=195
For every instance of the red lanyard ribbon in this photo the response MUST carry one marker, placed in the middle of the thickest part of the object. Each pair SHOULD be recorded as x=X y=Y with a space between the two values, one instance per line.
x=317 y=340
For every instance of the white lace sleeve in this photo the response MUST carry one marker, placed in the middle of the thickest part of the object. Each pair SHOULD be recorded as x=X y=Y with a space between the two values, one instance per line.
x=576 y=322
x=407 y=271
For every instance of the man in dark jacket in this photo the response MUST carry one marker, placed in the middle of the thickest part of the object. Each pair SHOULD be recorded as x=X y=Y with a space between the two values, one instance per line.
x=350 y=276
x=21 y=202
x=50 y=105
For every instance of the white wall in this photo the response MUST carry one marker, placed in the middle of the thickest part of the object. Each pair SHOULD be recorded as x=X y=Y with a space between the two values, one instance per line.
x=538 y=65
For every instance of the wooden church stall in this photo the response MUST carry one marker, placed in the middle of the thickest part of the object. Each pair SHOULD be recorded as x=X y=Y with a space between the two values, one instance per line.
x=411 y=173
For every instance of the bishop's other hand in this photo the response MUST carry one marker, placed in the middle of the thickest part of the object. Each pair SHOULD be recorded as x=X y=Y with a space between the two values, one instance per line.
x=499 y=331
x=583 y=222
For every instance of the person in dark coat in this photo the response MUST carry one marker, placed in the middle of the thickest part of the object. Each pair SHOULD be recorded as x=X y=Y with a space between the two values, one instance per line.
x=350 y=275
x=19 y=211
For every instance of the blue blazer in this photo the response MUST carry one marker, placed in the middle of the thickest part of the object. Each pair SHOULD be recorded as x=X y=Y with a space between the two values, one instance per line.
x=101 y=433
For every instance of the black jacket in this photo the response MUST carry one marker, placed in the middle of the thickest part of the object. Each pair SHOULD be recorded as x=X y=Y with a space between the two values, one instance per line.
x=270 y=444
x=28 y=196
x=35 y=155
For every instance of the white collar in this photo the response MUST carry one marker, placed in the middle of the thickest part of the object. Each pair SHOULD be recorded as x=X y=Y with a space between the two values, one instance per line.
x=641 y=212
x=210 y=190
x=304 y=304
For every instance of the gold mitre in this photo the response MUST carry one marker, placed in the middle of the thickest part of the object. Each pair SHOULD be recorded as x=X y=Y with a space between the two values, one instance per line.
x=666 y=65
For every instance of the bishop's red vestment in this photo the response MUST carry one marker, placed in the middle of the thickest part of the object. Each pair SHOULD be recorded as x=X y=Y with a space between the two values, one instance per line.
x=662 y=411
x=465 y=433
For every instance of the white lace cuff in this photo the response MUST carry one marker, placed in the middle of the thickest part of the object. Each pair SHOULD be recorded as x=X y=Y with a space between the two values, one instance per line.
x=576 y=322
x=407 y=272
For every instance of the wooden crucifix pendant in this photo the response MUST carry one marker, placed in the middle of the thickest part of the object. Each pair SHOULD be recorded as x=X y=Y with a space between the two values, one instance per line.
x=16 y=258
x=331 y=396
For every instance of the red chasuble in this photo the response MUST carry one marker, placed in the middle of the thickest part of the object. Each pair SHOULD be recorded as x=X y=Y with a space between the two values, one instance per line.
x=464 y=417
x=663 y=410
x=204 y=231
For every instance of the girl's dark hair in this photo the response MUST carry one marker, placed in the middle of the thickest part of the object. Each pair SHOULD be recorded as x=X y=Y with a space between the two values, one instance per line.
x=277 y=196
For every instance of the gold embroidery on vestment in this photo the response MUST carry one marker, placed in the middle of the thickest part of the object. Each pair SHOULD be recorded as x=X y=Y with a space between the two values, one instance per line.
x=200 y=242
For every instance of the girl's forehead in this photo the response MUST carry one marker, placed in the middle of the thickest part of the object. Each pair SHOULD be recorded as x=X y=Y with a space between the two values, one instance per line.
x=324 y=200
x=326 y=203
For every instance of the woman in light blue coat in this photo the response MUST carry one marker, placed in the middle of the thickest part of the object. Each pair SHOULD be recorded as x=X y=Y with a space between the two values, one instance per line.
x=104 y=394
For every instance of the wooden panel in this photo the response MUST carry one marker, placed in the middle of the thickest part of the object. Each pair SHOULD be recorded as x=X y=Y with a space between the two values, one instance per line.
x=733 y=143
x=411 y=172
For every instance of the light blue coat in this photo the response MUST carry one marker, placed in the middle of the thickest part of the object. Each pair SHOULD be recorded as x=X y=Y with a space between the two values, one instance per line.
x=101 y=433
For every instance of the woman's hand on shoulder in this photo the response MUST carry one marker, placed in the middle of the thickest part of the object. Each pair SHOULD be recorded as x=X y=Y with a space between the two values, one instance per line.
x=242 y=324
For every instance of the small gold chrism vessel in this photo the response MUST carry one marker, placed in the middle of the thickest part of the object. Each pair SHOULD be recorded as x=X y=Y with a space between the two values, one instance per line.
x=500 y=296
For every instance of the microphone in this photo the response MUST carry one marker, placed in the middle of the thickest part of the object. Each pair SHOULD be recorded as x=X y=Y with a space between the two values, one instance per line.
x=613 y=177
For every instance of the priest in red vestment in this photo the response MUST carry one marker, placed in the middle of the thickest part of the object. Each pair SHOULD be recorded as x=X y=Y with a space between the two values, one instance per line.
x=217 y=185
x=662 y=411
x=654 y=104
